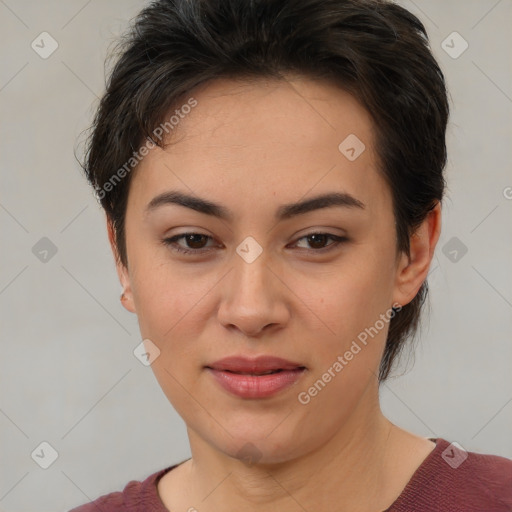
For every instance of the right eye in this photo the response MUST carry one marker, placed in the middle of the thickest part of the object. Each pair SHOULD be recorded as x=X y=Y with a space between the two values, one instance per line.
x=190 y=238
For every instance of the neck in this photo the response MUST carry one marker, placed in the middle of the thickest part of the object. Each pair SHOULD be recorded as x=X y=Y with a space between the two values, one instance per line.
x=361 y=455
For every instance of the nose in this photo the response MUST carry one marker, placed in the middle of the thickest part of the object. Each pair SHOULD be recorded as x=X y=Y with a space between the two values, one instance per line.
x=254 y=299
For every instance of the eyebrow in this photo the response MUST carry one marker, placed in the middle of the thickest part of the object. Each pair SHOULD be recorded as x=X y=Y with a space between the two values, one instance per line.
x=284 y=212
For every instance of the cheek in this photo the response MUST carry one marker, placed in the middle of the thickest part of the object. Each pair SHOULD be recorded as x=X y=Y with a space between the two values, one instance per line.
x=353 y=296
x=346 y=357
x=351 y=302
x=166 y=301
x=168 y=309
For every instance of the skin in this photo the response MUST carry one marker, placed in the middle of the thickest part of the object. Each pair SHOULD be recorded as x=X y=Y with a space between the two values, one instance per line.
x=253 y=147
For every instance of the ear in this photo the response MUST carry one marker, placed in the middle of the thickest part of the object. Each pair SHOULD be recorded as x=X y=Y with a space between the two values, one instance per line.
x=122 y=270
x=412 y=270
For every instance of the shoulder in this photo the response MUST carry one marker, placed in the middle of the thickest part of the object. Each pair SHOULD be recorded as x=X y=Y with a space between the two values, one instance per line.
x=492 y=470
x=136 y=495
x=454 y=480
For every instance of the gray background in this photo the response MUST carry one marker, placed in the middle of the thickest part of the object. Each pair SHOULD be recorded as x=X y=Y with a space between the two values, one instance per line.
x=68 y=375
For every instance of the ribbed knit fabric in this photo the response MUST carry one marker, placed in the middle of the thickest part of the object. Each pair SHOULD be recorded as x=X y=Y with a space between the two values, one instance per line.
x=448 y=480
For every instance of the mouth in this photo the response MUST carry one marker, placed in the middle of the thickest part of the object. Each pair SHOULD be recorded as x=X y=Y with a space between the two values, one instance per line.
x=262 y=365
x=260 y=373
x=262 y=377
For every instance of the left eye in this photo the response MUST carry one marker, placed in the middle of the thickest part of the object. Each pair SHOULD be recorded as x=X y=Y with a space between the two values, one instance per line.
x=319 y=238
x=315 y=239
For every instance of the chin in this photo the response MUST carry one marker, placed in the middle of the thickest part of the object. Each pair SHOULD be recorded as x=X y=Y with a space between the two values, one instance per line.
x=259 y=448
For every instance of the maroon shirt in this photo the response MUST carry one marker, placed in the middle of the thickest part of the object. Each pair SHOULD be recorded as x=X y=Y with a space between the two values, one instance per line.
x=448 y=480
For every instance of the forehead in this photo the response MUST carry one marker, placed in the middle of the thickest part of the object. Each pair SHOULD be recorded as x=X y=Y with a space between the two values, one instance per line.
x=301 y=112
x=267 y=138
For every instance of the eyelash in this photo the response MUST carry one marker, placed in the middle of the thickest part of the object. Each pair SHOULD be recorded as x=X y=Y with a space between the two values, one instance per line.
x=171 y=243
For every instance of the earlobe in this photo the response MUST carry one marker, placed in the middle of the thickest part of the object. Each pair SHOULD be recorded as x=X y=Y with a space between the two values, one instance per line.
x=122 y=271
x=413 y=269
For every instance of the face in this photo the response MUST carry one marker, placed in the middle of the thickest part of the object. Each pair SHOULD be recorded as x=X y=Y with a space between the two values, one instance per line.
x=301 y=284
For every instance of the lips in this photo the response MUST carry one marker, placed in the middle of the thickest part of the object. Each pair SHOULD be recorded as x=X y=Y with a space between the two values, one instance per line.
x=257 y=378
x=262 y=365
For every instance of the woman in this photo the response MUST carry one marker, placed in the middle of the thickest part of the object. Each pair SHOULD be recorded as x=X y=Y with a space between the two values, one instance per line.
x=272 y=177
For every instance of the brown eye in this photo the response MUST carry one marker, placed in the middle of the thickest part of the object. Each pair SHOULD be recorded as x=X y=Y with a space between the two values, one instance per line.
x=318 y=240
x=195 y=240
x=195 y=243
